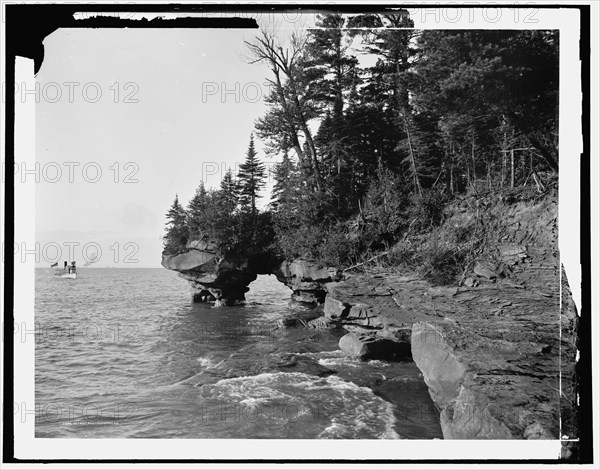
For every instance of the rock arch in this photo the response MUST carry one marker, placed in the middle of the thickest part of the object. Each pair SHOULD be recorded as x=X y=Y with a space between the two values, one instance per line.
x=225 y=279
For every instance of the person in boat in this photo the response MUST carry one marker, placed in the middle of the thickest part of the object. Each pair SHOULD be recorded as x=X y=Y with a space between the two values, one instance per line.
x=72 y=269
x=66 y=268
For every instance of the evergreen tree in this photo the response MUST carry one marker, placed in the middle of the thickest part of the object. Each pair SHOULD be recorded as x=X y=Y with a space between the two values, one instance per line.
x=484 y=88
x=251 y=178
x=176 y=229
x=287 y=185
x=334 y=79
x=229 y=192
x=196 y=211
x=335 y=72
x=439 y=110
x=391 y=88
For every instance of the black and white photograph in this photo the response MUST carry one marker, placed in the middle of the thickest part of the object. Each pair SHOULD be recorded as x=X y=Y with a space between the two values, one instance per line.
x=300 y=234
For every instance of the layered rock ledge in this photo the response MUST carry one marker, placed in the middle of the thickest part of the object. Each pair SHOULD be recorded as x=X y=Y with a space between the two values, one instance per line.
x=499 y=360
x=212 y=276
x=224 y=279
x=308 y=280
x=498 y=354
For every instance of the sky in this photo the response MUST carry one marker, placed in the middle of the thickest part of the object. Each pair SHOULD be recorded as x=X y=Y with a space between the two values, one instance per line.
x=177 y=106
x=126 y=119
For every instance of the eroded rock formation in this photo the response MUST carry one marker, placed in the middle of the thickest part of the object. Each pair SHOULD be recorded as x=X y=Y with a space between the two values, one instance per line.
x=489 y=355
x=498 y=353
x=225 y=279
x=212 y=276
x=308 y=280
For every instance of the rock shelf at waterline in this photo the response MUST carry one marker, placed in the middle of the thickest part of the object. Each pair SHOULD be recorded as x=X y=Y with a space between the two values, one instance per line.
x=498 y=353
x=225 y=279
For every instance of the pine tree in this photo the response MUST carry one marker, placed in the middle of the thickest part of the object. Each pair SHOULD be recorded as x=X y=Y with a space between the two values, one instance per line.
x=196 y=211
x=334 y=76
x=287 y=185
x=391 y=41
x=229 y=192
x=471 y=82
x=176 y=229
x=251 y=178
x=334 y=72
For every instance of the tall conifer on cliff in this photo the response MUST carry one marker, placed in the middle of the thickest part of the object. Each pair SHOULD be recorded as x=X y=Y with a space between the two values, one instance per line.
x=176 y=235
x=251 y=178
x=196 y=211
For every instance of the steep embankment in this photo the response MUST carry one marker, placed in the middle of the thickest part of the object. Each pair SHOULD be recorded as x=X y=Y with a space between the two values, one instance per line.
x=497 y=353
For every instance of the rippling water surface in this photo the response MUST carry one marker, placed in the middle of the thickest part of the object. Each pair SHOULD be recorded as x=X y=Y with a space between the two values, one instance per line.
x=125 y=353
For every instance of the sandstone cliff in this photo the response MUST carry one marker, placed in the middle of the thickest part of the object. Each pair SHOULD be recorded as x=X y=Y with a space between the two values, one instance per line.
x=225 y=279
x=497 y=352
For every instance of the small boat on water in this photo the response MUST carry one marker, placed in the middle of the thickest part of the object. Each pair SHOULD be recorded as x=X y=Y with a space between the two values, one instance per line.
x=68 y=271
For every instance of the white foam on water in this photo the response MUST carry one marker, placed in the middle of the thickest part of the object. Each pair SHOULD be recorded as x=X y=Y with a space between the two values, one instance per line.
x=246 y=387
x=335 y=362
x=322 y=354
x=335 y=358
x=253 y=402
x=362 y=420
x=345 y=410
x=378 y=363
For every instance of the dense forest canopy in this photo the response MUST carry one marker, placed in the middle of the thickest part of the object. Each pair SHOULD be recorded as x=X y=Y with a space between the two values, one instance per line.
x=366 y=154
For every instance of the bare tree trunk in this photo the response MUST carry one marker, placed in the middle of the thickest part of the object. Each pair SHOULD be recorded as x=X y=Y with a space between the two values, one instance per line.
x=303 y=124
x=523 y=164
x=503 y=175
x=413 y=162
x=285 y=106
x=530 y=161
x=310 y=142
x=538 y=182
x=512 y=168
x=550 y=160
x=465 y=159
x=473 y=156
x=503 y=152
x=403 y=118
x=266 y=48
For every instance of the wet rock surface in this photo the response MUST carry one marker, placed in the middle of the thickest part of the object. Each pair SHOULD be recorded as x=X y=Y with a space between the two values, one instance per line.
x=489 y=354
x=497 y=353
x=309 y=281
x=224 y=280
x=212 y=277
x=370 y=347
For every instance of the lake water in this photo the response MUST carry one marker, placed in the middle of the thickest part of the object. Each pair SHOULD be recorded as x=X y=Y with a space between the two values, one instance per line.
x=124 y=353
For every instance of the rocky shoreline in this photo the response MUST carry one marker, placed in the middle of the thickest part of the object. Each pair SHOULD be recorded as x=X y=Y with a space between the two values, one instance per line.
x=498 y=353
x=498 y=360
